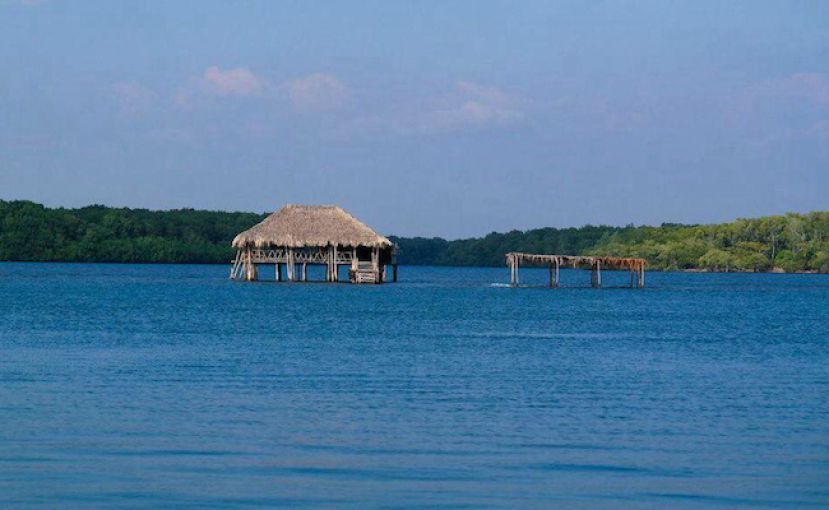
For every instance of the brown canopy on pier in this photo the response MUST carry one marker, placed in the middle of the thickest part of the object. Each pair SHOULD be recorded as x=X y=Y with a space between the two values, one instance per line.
x=595 y=263
x=301 y=226
x=629 y=263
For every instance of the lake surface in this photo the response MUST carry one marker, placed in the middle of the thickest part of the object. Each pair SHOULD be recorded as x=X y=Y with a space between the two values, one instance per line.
x=139 y=386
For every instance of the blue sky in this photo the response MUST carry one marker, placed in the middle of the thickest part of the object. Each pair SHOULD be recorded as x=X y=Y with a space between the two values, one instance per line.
x=422 y=118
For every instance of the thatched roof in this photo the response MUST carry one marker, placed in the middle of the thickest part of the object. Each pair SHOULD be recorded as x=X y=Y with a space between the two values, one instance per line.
x=297 y=226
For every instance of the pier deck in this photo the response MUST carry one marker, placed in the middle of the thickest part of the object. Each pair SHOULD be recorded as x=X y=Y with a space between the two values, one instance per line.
x=636 y=266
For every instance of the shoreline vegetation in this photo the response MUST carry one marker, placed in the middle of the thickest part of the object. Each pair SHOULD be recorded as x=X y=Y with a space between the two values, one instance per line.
x=792 y=243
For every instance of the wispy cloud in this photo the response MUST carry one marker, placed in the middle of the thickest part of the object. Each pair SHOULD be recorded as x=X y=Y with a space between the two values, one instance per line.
x=217 y=83
x=239 y=81
x=317 y=92
x=473 y=105
x=468 y=106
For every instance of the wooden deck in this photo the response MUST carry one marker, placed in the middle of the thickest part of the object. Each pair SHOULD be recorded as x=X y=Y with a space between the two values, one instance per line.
x=636 y=266
x=295 y=262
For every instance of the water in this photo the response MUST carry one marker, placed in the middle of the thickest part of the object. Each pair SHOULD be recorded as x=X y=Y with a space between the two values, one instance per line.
x=169 y=386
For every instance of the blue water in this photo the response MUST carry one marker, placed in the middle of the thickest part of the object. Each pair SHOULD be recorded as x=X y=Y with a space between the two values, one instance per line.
x=134 y=386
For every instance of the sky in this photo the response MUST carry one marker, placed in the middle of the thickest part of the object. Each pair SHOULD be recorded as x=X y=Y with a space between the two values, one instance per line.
x=431 y=118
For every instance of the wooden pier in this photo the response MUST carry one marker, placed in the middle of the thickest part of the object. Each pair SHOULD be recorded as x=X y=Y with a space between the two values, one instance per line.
x=555 y=262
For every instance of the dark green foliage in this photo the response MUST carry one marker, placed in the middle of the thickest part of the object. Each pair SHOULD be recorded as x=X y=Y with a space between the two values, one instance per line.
x=795 y=242
x=490 y=249
x=29 y=231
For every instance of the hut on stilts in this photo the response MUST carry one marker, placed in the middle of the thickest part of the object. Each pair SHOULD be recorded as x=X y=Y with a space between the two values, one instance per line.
x=297 y=236
x=555 y=262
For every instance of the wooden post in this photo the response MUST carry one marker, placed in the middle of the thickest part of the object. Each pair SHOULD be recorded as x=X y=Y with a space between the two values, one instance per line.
x=329 y=261
x=598 y=273
x=375 y=264
x=304 y=271
x=641 y=275
x=278 y=272
x=632 y=279
x=394 y=273
x=289 y=266
x=234 y=265
x=558 y=267
x=513 y=265
x=552 y=276
x=593 y=275
x=335 y=269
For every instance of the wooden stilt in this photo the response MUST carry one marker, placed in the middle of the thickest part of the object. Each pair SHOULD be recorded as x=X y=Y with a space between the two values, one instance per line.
x=248 y=268
x=278 y=272
x=329 y=263
x=558 y=267
x=234 y=265
x=289 y=265
x=394 y=273
x=598 y=273
x=511 y=262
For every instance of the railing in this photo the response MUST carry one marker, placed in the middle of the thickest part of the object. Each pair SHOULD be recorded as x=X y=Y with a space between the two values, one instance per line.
x=307 y=256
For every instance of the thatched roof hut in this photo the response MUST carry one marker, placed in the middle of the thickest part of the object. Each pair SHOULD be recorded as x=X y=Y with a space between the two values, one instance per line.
x=299 y=235
x=301 y=226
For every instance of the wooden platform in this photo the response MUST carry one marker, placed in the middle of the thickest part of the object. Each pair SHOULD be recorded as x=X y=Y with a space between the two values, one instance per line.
x=295 y=262
x=636 y=266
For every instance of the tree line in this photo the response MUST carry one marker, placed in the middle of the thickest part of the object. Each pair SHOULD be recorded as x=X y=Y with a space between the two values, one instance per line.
x=790 y=243
x=32 y=232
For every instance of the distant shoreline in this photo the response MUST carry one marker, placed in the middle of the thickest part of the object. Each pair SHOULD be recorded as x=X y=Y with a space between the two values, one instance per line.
x=793 y=243
x=221 y=264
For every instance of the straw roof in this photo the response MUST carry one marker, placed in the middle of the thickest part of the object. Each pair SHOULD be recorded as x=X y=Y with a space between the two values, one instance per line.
x=298 y=226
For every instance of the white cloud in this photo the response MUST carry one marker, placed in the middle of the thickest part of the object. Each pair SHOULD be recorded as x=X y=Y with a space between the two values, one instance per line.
x=467 y=106
x=216 y=82
x=239 y=81
x=317 y=92
x=473 y=105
